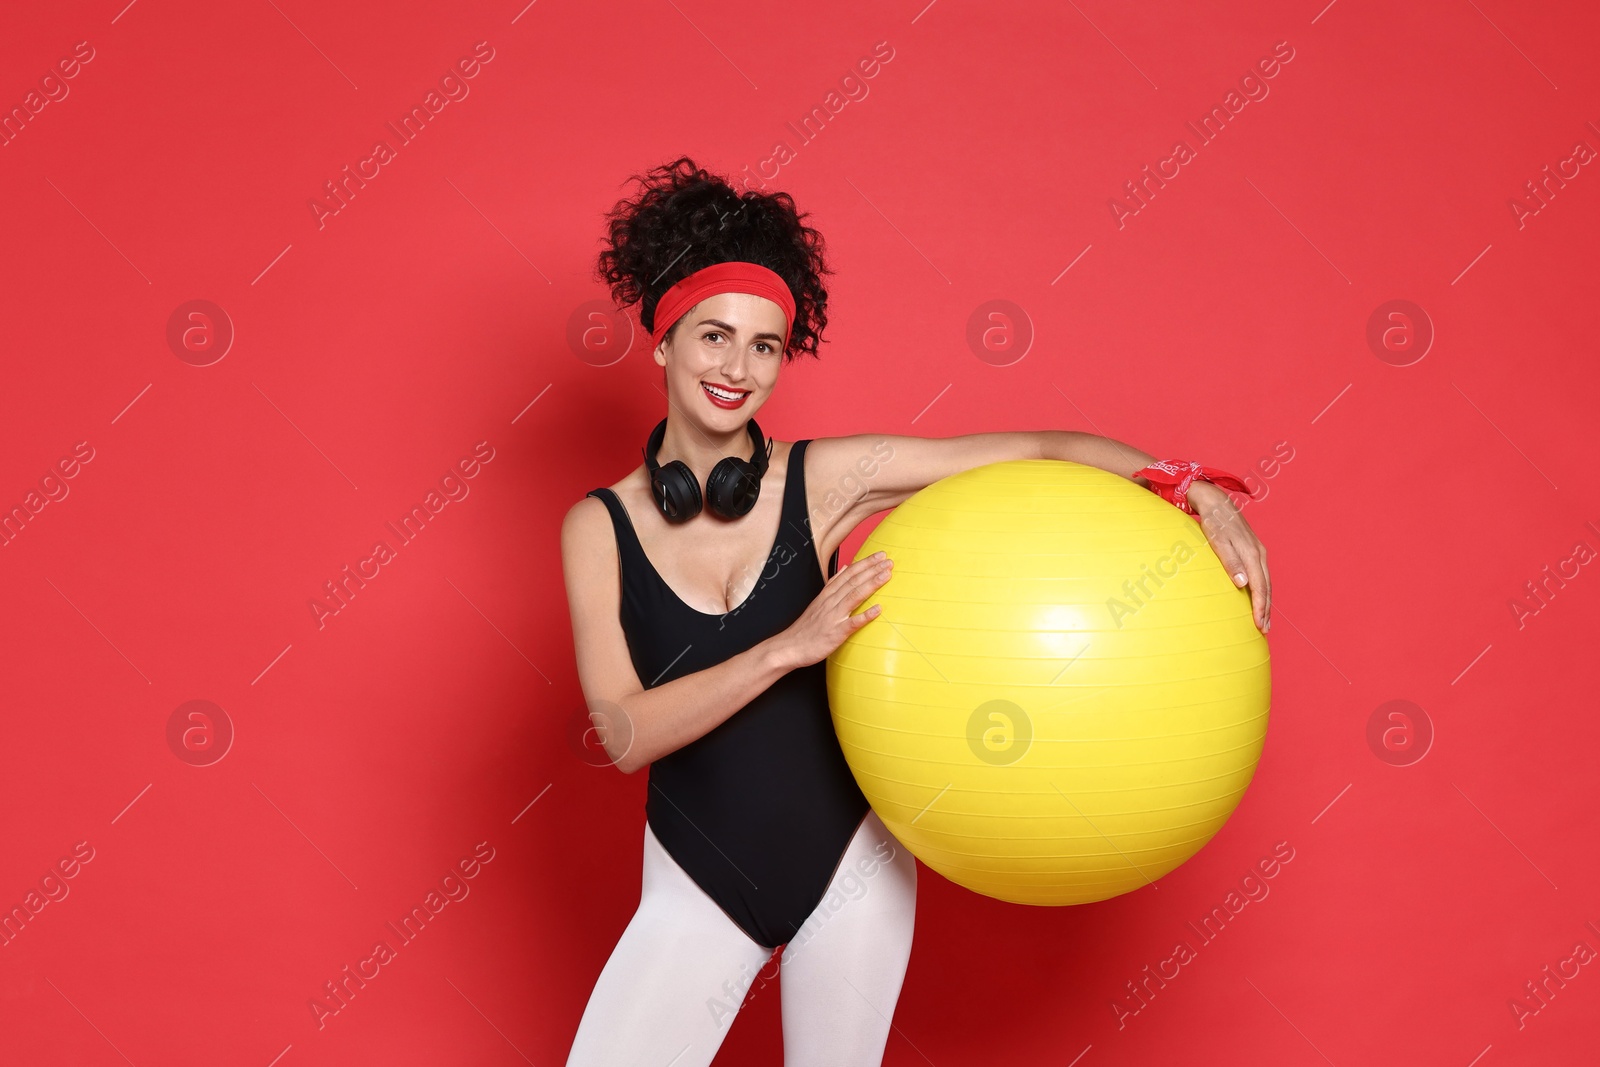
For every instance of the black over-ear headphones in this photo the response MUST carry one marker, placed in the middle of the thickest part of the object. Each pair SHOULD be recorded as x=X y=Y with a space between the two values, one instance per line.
x=731 y=490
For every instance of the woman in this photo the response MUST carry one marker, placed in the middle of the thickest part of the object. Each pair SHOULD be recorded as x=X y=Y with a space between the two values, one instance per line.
x=701 y=621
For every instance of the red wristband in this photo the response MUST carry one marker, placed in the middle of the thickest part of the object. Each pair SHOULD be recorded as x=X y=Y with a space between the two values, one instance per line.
x=1170 y=480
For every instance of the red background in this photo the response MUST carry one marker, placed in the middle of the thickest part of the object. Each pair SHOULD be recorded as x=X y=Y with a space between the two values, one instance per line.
x=1226 y=321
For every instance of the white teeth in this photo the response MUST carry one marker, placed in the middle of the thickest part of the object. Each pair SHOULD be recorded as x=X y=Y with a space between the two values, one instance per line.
x=721 y=393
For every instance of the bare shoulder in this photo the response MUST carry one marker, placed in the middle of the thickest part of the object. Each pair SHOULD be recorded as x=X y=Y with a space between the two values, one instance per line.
x=852 y=451
x=840 y=473
x=847 y=464
x=588 y=538
x=584 y=521
x=590 y=517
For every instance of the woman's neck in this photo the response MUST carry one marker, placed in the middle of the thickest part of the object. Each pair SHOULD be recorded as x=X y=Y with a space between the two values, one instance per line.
x=700 y=448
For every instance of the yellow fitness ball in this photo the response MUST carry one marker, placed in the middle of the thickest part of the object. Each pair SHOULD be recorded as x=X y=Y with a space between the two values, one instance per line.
x=1064 y=696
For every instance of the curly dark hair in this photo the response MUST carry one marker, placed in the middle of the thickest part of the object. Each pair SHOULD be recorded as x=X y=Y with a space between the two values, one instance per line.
x=684 y=218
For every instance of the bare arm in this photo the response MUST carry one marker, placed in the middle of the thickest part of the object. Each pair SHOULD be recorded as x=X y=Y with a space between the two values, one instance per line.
x=638 y=726
x=878 y=472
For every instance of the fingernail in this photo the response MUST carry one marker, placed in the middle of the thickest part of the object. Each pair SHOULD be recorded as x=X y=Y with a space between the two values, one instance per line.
x=1238 y=579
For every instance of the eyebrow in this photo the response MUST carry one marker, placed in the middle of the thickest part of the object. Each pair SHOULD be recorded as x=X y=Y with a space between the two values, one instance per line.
x=730 y=329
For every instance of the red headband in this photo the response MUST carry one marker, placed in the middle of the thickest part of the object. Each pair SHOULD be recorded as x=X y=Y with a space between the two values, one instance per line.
x=734 y=276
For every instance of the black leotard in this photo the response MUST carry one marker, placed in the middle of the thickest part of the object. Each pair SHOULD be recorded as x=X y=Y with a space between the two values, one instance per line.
x=759 y=810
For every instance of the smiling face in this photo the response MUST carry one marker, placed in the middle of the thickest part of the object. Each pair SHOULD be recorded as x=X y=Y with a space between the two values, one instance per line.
x=730 y=342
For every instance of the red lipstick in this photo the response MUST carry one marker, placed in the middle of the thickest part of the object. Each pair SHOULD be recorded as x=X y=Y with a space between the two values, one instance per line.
x=724 y=402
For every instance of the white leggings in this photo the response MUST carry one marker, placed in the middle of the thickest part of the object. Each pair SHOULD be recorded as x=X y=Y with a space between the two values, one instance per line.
x=680 y=971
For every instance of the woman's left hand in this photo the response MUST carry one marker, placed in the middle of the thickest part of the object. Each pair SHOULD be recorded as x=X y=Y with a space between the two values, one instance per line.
x=1241 y=552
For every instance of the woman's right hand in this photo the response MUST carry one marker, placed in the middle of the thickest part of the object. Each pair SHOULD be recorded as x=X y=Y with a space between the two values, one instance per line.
x=825 y=624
